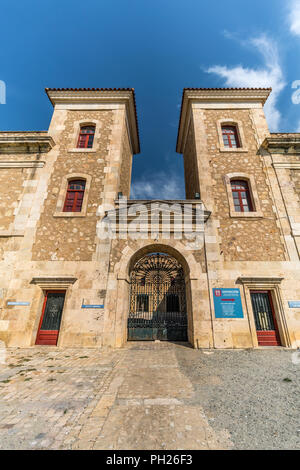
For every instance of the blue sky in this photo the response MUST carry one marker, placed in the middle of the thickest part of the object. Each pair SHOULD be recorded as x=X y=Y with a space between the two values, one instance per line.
x=156 y=47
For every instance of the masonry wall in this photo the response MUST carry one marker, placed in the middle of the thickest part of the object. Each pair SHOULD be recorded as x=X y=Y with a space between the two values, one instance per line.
x=295 y=176
x=11 y=184
x=57 y=246
x=126 y=165
x=19 y=208
x=242 y=247
x=73 y=238
x=190 y=167
x=242 y=239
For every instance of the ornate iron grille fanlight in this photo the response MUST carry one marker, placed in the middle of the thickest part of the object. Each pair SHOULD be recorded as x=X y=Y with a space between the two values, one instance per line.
x=157 y=299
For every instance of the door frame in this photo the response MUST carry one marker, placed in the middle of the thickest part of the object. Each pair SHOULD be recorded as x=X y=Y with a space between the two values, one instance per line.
x=269 y=292
x=271 y=284
x=46 y=292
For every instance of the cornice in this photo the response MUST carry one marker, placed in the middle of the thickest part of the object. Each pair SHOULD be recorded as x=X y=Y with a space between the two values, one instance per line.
x=25 y=142
x=288 y=165
x=22 y=164
x=282 y=143
x=260 y=280
x=188 y=206
x=52 y=282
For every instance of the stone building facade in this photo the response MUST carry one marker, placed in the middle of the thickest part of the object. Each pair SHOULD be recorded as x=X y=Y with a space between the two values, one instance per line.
x=83 y=265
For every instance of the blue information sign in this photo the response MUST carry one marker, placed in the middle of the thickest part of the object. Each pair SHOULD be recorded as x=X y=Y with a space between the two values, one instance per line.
x=91 y=306
x=228 y=303
x=18 y=303
x=294 y=303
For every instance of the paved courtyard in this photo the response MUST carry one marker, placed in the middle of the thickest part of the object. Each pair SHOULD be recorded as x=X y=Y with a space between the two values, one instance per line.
x=149 y=396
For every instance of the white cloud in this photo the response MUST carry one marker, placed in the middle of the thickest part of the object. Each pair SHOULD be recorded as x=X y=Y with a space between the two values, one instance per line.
x=158 y=186
x=294 y=17
x=270 y=75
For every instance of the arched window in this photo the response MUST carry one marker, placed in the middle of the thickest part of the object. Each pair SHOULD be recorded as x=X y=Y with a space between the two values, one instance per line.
x=230 y=136
x=241 y=196
x=86 y=137
x=74 y=196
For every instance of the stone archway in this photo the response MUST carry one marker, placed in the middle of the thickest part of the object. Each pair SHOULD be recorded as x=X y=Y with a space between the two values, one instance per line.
x=157 y=305
x=117 y=308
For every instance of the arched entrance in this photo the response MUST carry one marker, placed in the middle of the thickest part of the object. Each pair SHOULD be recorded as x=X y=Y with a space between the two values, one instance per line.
x=157 y=307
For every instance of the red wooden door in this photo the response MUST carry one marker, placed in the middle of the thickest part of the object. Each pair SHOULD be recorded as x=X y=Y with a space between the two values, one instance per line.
x=265 y=320
x=51 y=317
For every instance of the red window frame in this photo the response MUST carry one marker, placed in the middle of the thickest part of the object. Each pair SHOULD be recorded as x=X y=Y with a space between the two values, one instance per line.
x=86 y=137
x=230 y=137
x=241 y=196
x=74 y=196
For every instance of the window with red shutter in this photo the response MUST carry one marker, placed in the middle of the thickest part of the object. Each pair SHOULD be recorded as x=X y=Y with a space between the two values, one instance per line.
x=241 y=196
x=86 y=137
x=230 y=137
x=74 y=196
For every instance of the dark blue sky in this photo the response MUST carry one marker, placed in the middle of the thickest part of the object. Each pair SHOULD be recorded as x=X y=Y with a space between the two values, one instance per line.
x=156 y=47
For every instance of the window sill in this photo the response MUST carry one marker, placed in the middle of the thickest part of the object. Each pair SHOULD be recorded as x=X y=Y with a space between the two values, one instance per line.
x=82 y=150
x=234 y=150
x=69 y=214
x=246 y=215
x=9 y=233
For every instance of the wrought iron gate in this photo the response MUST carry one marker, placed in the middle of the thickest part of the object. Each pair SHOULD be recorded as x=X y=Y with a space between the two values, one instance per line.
x=157 y=300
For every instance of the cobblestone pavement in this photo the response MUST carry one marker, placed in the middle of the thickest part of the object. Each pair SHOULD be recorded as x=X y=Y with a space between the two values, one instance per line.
x=149 y=396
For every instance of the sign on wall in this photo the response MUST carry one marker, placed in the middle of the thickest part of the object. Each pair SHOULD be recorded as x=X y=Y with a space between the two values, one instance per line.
x=92 y=306
x=17 y=303
x=294 y=303
x=228 y=303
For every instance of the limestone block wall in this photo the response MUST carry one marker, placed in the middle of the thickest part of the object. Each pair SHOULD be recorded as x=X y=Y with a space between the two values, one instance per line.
x=11 y=184
x=295 y=174
x=126 y=165
x=79 y=326
x=191 y=170
x=242 y=239
x=286 y=168
x=53 y=245
x=294 y=203
x=72 y=238
x=235 y=333
x=237 y=247
x=20 y=171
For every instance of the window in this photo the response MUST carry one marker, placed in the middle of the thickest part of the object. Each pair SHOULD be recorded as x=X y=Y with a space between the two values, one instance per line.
x=230 y=137
x=74 y=197
x=241 y=196
x=86 y=137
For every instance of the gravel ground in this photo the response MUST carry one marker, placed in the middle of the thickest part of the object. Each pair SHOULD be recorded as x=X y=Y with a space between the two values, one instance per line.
x=254 y=394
